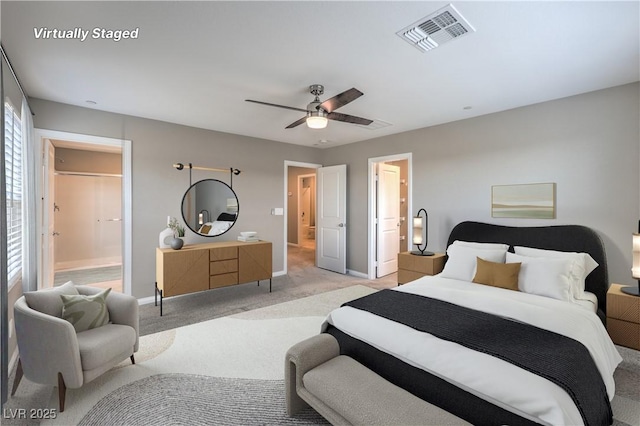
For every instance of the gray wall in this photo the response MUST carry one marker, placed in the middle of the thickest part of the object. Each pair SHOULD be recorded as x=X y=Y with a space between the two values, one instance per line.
x=158 y=187
x=587 y=144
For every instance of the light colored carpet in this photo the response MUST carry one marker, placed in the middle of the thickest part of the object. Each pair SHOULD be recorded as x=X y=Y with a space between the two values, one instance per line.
x=248 y=346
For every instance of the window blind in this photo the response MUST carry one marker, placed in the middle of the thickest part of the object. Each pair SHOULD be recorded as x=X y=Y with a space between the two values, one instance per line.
x=13 y=172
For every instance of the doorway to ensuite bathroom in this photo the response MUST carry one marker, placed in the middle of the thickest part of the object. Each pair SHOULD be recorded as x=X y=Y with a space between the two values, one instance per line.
x=87 y=217
x=85 y=210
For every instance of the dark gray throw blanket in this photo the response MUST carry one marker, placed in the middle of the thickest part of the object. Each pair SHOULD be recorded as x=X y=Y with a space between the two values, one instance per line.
x=562 y=360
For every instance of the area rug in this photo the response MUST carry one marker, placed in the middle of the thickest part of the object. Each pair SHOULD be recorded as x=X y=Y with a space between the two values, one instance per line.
x=187 y=399
x=224 y=371
x=230 y=371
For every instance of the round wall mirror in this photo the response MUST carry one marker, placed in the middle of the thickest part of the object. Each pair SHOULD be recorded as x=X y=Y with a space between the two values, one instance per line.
x=210 y=207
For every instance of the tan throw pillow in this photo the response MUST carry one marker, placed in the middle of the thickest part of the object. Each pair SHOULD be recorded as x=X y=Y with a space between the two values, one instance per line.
x=205 y=229
x=503 y=275
x=86 y=312
x=48 y=300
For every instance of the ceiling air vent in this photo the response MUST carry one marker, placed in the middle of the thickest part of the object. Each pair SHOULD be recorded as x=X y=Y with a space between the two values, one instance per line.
x=440 y=27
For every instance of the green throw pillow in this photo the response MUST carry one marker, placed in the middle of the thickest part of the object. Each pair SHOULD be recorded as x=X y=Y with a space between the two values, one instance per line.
x=86 y=312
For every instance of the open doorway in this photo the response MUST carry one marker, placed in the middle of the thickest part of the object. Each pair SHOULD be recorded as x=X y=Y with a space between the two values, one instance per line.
x=389 y=212
x=300 y=213
x=307 y=211
x=87 y=214
x=85 y=211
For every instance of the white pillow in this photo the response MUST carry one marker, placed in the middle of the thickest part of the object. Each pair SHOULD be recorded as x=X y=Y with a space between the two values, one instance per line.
x=494 y=246
x=461 y=264
x=582 y=267
x=544 y=276
x=219 y=226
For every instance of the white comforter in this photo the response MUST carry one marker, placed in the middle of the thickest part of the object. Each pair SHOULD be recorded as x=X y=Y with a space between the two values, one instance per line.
x=490 y=378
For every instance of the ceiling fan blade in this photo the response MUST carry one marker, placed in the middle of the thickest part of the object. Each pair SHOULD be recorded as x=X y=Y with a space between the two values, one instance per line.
x=296 y=123
x=349 y=118
x=276 y=105
x=340 y=100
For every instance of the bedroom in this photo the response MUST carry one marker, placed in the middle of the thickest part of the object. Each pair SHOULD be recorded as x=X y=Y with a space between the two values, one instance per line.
x=587 y=144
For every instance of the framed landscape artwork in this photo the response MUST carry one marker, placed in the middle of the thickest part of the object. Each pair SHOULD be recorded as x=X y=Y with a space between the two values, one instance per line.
x=527 y=201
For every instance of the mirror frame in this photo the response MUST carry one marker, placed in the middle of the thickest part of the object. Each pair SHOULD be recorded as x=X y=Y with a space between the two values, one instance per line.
x=193 y=187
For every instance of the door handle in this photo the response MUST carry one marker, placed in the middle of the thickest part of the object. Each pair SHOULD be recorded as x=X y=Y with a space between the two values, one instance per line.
x=342 y=225
x=55 y=234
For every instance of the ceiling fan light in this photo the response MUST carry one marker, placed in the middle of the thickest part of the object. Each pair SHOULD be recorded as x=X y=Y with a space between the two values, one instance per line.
x=317 y=121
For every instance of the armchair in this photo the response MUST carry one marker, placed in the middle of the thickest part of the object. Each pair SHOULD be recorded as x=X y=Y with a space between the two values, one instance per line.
x=51 y=352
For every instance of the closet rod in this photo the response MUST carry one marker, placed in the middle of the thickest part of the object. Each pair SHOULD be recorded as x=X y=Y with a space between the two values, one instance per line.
x=15 y=77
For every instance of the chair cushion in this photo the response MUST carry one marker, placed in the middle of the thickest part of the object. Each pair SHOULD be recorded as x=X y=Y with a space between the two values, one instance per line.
x=48 y=301
x=86 y=312
x=99 y=346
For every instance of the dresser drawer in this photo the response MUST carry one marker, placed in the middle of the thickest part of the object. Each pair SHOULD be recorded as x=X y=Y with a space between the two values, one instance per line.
x=223 y=253
x=223 y=280
x=405 y=276
x=622 y=306
x=624 y=333
x=223 y=267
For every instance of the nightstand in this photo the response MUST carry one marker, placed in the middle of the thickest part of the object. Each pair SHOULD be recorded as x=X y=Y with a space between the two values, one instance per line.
x=623 y=317
x=412 y=267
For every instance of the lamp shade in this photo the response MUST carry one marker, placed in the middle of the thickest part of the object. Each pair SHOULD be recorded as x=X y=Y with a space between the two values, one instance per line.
x=417 y=230
x=317 y=122
x=635 y=269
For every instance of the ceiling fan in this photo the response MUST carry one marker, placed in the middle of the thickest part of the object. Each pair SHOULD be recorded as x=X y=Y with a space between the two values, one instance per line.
x=318 y=113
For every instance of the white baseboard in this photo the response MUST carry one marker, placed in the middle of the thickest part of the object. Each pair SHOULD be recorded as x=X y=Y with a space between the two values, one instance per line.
x=279 y=274
x=357 y=274
x=146 y=300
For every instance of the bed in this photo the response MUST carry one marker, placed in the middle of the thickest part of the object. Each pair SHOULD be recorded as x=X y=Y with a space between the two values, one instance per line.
x=468 y=352
x=223 y=222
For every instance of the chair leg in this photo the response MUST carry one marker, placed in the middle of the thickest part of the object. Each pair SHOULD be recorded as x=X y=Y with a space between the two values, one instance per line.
x=133 y=360
x=62 y=391
x=16 y=380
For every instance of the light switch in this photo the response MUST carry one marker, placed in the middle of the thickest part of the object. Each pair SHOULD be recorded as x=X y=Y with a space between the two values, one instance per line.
x=278 y=211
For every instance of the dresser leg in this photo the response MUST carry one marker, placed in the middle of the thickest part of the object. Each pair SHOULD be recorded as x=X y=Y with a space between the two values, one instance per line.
x=269 y=285
x=158 y=291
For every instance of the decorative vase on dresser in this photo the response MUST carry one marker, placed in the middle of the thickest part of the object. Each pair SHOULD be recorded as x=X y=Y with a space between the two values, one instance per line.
x=177 y=243
x=166 y=236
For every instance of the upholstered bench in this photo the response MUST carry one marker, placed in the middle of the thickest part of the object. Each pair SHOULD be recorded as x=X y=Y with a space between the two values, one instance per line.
x=346 y=393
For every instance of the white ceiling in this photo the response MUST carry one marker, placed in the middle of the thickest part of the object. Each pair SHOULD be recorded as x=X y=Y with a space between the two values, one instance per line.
x=195 y=63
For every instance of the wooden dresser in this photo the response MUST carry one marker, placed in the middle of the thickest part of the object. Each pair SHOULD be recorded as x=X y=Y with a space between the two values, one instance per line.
x=199 y=267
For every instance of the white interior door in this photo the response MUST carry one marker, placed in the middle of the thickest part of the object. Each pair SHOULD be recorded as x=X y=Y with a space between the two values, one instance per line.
x=331 y=219
x=388 y=219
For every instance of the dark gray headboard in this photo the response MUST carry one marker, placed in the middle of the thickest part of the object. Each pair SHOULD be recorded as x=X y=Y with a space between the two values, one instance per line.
x=561 y=237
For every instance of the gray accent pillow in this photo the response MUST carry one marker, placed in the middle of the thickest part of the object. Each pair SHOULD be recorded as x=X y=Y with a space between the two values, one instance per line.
x=86 y=312
x=48 y=300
